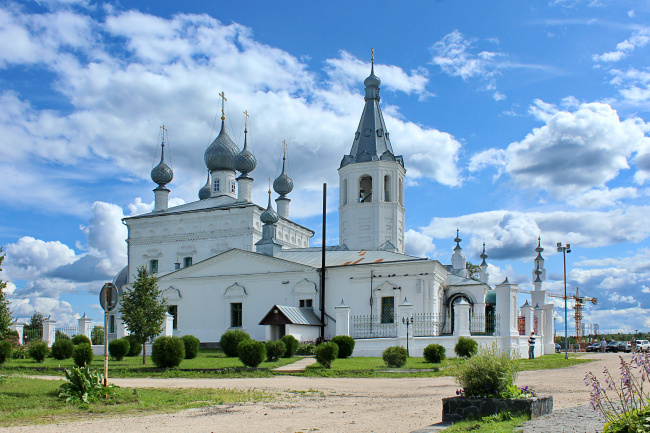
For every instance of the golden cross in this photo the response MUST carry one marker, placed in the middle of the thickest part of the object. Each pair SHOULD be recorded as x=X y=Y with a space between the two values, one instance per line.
x=246 y=114
x=269 y=186
x=373 y=55
x=163 y=134
x=284 y=148
x=223 y=105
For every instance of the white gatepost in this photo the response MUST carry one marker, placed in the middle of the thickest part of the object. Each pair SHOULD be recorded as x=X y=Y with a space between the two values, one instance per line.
x=18 y=327
x=49 y=331
x=527 y=312
x=539 y=344
x=461 y=319
x=342 y=319
x=549 y=344
x=507 y=310
x=85 y=326
x=168 y=328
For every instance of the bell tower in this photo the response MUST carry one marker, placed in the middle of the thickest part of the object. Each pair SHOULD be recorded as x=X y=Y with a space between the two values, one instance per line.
x=371 y=182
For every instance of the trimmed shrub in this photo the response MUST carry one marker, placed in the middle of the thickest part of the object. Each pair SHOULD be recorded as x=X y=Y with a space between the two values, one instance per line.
x=135 y=348
x=251 y=352
x=119 y=348
x=290 y=345
x=275 y=349
x=395 y=356
x=167 y=352
x=434 y=353
x=326 y=353
x=38 y=350
x=346 y=345
x=306 y=349
x=488 y=373
x=62 y=349
x=5 y=350
x=82 y=354
x=466 y=347
x=78 y=339
x=230 y=341
x=192 y=345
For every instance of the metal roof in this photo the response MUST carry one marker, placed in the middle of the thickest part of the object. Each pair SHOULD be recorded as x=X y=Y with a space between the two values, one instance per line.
x=300 y=316
x=312 y=257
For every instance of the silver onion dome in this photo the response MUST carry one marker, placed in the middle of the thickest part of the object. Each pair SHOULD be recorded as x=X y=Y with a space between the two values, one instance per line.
x=483 y=256
x=205 y=192
x=283 y=184
x=162 y=174
x=372 y=79
x=269 y=216
x=221 y=154
x=245 y=162
x=457 y=239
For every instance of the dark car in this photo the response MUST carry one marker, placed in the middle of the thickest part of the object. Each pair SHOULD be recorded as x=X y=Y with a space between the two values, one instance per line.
x=558 y=348
x=624 y=346
x=594 y=347
x=612 y=346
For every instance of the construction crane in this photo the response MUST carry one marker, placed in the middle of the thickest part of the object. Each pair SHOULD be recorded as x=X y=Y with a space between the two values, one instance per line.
x=578 y=306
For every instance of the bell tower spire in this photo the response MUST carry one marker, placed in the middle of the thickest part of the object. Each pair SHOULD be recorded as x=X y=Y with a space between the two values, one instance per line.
x=371 y=182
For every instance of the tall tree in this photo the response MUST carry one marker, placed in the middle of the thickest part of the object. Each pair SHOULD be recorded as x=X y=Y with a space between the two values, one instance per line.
x=5 y=313
x=143 y=309
x=473 y=271
x=36 y=321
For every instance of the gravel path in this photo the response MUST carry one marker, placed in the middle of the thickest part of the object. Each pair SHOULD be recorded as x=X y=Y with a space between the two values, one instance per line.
x=309 y=404
x=579 y=419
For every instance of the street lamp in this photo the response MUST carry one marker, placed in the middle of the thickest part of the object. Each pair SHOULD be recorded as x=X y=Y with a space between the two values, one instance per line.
x=564 y=251
x=408 y=322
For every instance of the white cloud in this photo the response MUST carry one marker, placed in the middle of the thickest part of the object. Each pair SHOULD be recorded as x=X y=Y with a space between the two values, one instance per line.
x=616 y=298
x=418 y=244
x=28 y=258
x=633 y=85
x=645 y=289
x=638 y=39
x=602 y=197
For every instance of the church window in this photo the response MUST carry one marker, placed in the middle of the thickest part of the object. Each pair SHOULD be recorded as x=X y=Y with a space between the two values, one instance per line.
x=173 y=310
x=153 y=266
x=388 y=309
x=187 y=261
x=232 y=186
x=236 y=315
x=111 y=324
x=215 y=185
x=401 y=192
x=365 y=189
x=386 y=188
x=344 y=192
x=306 y=303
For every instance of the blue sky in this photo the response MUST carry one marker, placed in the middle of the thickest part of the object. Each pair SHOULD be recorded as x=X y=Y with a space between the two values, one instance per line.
x=516 y=120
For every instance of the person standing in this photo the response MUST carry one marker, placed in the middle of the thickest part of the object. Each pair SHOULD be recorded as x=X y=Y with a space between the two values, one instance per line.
x=531 y=346
x=603 y=345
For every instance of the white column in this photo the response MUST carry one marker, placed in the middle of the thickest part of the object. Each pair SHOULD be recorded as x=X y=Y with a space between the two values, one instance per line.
x=85 y=325
x=168 y=328
x=461 y=319
x=49 y=331
x=549 y=345
x=18 y=327
x=342 y=319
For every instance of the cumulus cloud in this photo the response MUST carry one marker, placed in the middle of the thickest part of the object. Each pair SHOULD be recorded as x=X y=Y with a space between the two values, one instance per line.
x=418 y=244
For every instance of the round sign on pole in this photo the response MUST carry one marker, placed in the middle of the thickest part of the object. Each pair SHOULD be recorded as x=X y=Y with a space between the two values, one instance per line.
x=111 y=290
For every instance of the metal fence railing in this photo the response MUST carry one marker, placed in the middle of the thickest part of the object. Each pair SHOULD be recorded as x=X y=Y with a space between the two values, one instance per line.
x=427 y=324
x=484 y=324
x=66 y=332
x=369 y=327
x=30 y=335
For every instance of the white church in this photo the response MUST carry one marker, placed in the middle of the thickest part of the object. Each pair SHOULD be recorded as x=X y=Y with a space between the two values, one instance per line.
x=224 y=262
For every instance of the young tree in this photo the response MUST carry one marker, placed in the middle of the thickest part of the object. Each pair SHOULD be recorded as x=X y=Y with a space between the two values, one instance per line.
x=5 y=313
x=36 y=321
x=97 y=335
x=143 y=309
x=473 y=271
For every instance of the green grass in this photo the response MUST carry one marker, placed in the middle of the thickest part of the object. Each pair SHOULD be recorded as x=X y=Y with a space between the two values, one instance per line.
x=30 y=401
x=555 y=360
x=132 y=366
x=488 y=425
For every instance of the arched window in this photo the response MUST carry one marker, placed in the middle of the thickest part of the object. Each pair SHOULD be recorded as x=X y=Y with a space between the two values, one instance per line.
x=365 y=189
x=386 y=188
x=215 y=185
x=344 y=192
x=401 y=192
x=153 y=267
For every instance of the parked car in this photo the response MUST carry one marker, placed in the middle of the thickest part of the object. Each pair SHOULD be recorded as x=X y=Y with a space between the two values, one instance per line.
x=594 y=347
x=624 y=346
x=643 y=345
x=612 y=346
x=558 y=348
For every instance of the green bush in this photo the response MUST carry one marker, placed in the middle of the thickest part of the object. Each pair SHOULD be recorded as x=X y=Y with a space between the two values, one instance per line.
x=488 y=373
x=395 y=356
x=434 y=353
x=6 y=348
x=38 y=350
x=192 y=345
x=83 y=385
x=82 y=355
x=135 y=348
x=290 y=344
x=20 y=352
x=252 y=353
x=62 y=349
x=465 y=347
x=326 y=353
x=79 y=339
x=119 y=348
x=275 y=349
x=230 y=341
x=305 y=349
x=167 y=352
x=346 y=345
x=97 y=335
